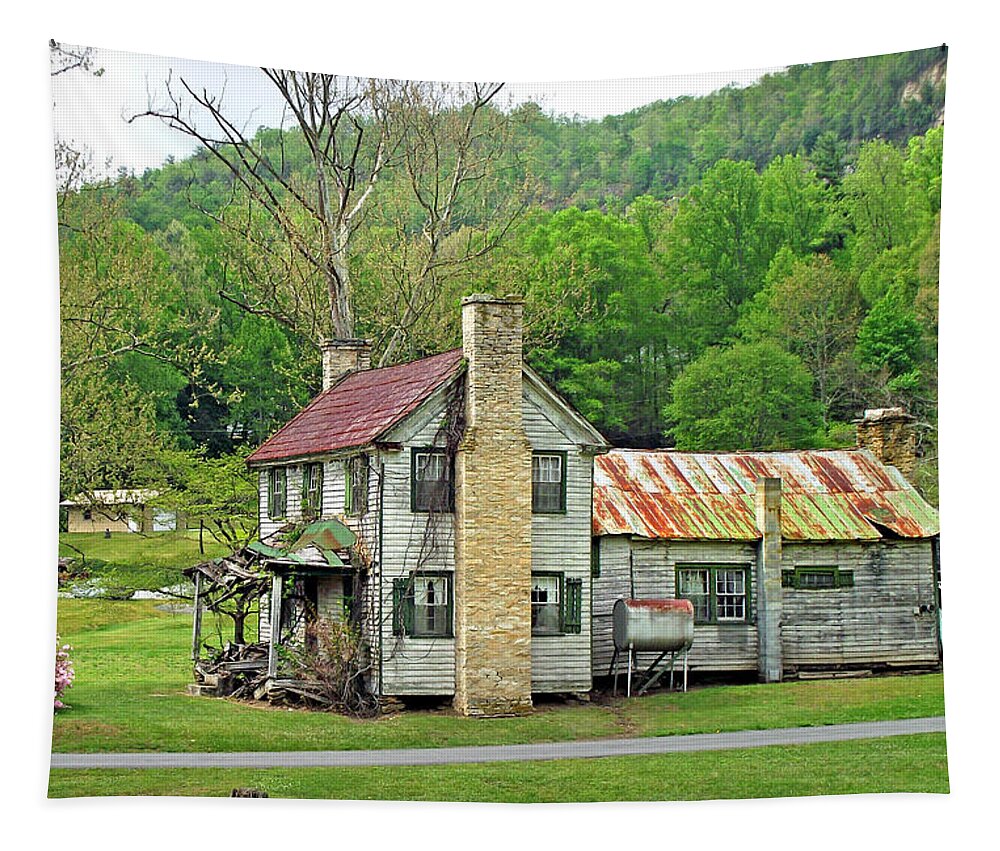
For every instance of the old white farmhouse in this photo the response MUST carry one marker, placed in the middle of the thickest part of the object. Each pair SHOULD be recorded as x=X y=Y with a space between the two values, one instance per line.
x=468 y=484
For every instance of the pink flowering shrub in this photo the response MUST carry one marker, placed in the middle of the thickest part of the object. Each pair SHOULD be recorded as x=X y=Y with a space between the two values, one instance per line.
x=64 y=672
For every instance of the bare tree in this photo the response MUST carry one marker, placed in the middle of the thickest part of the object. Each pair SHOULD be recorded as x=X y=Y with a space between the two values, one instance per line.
x=441 y=144
x=70 y=58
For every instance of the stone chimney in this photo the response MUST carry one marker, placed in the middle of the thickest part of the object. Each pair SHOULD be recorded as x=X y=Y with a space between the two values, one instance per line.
x=343 y=356
x=767 y=503
x=888 y=434
x=493 y=517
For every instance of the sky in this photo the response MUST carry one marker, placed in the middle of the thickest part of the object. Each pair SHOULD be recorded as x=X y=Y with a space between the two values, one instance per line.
x=93 y=111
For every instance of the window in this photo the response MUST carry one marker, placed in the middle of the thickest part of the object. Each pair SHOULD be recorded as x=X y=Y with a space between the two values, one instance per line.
x=356 y=485
x=556 y=604
x=276 y=492
x=817 y=578
x=422 y=605
x=718 y=594
x=548 y=482
x=312 y=490
x=431 y=481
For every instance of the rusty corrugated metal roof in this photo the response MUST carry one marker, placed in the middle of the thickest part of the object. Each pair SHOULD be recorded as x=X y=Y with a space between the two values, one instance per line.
x=359 y=409
x=826 y=495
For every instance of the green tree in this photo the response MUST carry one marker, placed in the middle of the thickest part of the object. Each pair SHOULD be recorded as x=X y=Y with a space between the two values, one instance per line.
x=891 y=343
x=749 y=396
x=812 y=311
x=793 y=203
x=719 y=251
x=875 y=198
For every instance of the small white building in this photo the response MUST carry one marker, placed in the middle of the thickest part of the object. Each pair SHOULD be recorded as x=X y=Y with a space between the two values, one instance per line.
x=116 y=511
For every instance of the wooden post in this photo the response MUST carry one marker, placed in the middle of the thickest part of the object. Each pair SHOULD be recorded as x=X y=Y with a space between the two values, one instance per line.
x=272 y=650
x=196 y=628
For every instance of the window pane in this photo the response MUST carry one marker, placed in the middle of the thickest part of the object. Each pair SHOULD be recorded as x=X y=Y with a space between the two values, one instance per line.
x=730 y=594
x=547 y=483
x=430 y=601
x=817 y=579
x=545 y=604
x=432 y=482
x=693 y=585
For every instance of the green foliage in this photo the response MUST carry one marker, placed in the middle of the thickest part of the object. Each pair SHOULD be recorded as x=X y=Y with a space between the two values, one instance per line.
x=221 y=492
x=890 y=341
x=875 y=198
x=813 y=310
x=719 y=252
x=749 y=396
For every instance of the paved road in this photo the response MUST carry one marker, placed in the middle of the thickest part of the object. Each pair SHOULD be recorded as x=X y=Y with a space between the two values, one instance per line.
x=505 y=753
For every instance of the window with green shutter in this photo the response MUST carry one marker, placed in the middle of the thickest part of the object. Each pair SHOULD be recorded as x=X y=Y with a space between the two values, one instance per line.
x=719 y=593
x=817 y=578
x=556 y=604
x=356 y=485
x=276 y=493
x=422 y=605
x=312 y=490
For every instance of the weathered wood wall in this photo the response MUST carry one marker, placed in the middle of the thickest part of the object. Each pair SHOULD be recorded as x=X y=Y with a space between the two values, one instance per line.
x=886 y=618
x=646 y=570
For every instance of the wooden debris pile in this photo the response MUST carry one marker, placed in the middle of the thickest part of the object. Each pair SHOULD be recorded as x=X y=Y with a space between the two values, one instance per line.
x=237 y=670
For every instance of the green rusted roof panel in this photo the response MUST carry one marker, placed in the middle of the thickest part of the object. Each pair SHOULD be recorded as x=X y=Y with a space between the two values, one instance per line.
x=327 y=535
x=826 y=495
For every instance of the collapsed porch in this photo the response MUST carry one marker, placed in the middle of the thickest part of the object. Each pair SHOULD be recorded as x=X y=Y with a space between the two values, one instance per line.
x=304 y=582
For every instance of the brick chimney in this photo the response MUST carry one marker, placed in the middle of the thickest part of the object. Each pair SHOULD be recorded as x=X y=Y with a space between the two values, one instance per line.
x=343 y=356
x=888 y=434
x=493 y=517
x=767 y=504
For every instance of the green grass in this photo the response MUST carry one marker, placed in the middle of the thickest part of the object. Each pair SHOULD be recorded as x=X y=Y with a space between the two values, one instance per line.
x=132 y=664
x=915 y=763
x=137 y=561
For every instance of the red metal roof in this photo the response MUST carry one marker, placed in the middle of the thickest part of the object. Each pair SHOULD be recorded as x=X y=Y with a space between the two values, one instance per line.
x=359 y=409
x=826 y=495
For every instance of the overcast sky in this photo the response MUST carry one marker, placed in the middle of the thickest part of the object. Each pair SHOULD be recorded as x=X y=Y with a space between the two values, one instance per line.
x=92 y=110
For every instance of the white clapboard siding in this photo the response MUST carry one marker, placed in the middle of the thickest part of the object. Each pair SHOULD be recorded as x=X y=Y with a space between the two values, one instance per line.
x=413 y=541
x=561 y=543
x=887 y=618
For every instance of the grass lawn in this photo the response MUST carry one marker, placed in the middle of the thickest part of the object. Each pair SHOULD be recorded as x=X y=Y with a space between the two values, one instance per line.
x=138 y=561
x=900 y=764
x=132 y=664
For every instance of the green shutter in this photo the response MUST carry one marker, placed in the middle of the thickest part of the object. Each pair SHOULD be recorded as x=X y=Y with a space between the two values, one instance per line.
x=595 y=558
x=788 y=579
x=348 y=488
x=402 y=607
x=845 y=579
x=573 y=606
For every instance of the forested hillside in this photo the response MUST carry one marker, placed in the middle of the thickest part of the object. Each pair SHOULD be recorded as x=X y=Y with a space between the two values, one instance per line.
x=748 y=270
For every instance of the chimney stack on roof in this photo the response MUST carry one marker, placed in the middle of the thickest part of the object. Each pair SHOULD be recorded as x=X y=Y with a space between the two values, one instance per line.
x=343 y=356
x=888 y=434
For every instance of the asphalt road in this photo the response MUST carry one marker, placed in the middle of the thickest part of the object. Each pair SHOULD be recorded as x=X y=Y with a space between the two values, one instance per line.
x=506 y=753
